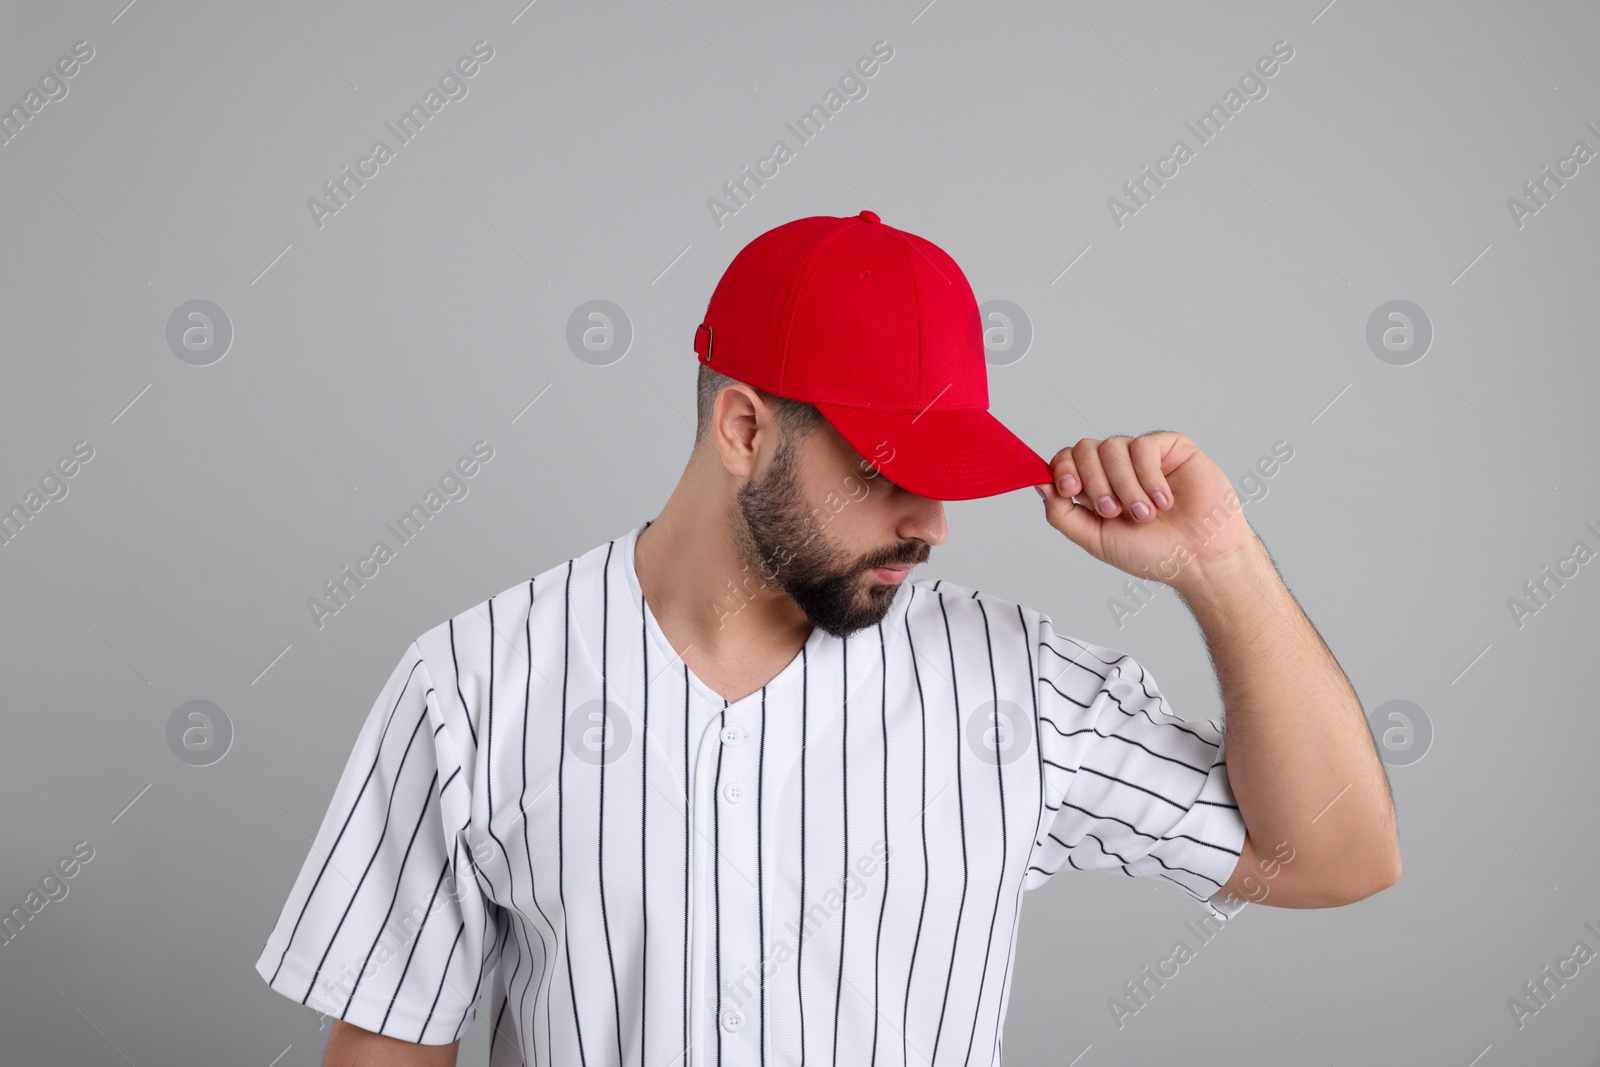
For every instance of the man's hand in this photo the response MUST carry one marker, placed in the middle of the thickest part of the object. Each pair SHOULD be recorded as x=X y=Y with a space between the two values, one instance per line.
x=1157 y=507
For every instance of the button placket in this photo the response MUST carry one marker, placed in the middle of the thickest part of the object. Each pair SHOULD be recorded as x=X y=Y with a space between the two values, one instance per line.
x=739 y=767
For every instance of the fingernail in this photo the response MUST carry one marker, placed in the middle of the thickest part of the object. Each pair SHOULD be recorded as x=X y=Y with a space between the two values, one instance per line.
x=1160 y=498
x=1105 y=505
x=1139 y=509
x=1065 y=483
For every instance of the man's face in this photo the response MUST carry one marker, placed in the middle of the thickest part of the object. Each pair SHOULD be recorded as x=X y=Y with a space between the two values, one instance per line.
x=821 y=519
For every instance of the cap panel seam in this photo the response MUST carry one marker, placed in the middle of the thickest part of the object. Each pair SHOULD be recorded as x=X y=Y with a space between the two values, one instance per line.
x=900 y=241
x=811 y=253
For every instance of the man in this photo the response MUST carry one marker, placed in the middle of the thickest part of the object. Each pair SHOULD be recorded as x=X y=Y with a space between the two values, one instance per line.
x=733 y=788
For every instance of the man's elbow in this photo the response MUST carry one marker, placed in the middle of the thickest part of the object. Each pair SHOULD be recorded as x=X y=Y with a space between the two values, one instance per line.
x=1366 y=880
x=1335 y=885
x=1376 y=882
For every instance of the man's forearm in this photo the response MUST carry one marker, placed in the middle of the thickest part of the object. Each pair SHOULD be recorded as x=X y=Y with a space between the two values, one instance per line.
x=1301 y=760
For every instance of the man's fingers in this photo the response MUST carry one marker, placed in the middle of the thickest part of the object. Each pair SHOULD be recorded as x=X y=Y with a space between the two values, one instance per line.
x=1064 y=475
x=1119 y=468
x=1146 y=451
x=1096 y=491
x=1118 y=473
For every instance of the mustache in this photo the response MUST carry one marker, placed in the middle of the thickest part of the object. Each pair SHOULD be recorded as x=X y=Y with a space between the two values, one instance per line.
x=917 y=553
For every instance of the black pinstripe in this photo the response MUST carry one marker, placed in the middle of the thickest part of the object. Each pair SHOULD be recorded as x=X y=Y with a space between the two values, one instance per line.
x=922 y=818
x=844 y=795
x=761 y=909
x=1000 y=876
x=883 y=901
x=605 y=750
x=644 y=834
x=533 y=883
x=716 y=872
x=561 y=792
x=800 y=950
x=961 y=802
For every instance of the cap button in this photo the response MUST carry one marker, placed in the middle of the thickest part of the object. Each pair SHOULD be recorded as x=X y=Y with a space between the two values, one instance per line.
x=870 y=216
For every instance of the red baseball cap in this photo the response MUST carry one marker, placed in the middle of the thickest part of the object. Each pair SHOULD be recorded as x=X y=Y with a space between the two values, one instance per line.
x=878 y=328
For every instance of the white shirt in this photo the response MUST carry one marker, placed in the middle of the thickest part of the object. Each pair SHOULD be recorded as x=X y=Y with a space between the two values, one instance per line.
x=622 y=901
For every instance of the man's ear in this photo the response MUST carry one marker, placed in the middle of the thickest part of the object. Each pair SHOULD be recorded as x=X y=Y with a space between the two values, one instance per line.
x=737 y=419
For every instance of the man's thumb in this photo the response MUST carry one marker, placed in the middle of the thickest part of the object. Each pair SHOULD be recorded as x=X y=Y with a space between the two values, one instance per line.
x=1077 y=523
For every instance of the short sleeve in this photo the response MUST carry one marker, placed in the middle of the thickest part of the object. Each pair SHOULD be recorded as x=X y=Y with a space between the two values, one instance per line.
x=386 y=926
x=1128 y=784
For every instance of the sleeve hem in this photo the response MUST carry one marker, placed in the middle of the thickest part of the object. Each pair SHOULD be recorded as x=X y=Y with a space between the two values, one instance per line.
x=1224 y=827
x=366 y=1009
x=1223 y=832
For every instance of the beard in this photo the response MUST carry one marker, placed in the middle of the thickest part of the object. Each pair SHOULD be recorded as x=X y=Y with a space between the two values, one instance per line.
x=776 y=530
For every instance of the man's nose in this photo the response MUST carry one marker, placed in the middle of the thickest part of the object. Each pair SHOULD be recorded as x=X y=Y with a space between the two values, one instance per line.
x=925 y=521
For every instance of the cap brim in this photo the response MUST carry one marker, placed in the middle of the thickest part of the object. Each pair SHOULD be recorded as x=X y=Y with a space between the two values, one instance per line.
x=942 y=455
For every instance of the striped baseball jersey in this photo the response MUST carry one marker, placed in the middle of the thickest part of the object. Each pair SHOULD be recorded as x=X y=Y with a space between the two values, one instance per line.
x=544 y=798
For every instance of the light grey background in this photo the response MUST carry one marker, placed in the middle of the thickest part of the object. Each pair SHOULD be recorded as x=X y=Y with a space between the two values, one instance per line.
x=370 y=353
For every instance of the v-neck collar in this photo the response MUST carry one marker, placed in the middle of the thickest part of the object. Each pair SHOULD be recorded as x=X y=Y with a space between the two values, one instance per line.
x=808 y=657
x=817 y=657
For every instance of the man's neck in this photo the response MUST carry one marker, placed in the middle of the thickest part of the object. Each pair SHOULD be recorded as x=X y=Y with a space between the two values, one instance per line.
x=717 y=613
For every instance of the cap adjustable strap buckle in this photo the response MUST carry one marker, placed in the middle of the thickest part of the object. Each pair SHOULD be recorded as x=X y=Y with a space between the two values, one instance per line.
x=703 y=348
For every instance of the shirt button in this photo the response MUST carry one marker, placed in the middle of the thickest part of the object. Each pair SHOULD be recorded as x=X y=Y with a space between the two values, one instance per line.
x=733 y=1020
x=732 y=735
x=733 y=792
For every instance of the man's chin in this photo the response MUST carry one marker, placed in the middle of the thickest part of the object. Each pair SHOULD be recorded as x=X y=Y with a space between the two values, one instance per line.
x=880 y=598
